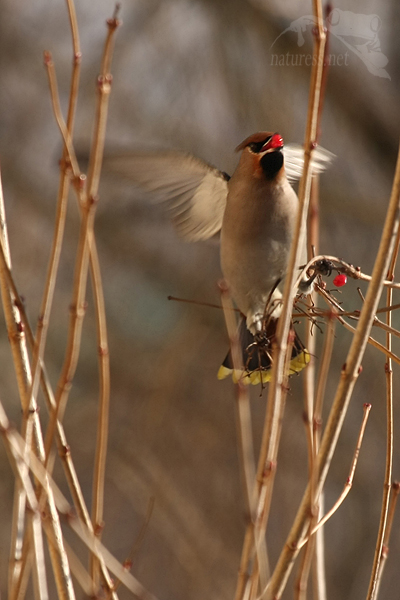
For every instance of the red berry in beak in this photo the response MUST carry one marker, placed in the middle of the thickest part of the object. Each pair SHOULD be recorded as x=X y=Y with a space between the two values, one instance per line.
x=276 y=141
x=340 y=280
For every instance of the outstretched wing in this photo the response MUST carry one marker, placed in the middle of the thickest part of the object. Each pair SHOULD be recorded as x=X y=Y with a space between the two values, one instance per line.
x=294 y=161
x=192 y=191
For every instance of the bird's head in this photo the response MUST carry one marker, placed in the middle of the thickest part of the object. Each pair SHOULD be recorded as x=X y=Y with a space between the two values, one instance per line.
x=262 y=152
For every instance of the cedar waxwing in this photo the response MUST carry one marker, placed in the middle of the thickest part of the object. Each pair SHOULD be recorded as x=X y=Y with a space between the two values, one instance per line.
x=254 y=211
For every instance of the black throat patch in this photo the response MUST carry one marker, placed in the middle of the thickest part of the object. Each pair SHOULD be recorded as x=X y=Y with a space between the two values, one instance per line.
x=271 y=163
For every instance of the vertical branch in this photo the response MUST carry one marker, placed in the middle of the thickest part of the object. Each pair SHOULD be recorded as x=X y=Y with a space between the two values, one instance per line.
x=104 y=396
x=95 y=162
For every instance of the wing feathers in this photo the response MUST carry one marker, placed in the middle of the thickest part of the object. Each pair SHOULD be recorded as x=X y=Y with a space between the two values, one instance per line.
x=294 y=161
x=193 y=191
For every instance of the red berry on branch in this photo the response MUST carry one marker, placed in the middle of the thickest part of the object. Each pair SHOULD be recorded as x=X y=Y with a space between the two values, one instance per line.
x=340 y=280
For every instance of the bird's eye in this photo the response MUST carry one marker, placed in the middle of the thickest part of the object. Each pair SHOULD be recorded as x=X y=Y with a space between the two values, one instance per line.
x=257 y=146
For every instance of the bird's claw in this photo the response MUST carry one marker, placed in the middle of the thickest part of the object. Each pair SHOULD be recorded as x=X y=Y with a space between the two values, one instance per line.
x=321 y=267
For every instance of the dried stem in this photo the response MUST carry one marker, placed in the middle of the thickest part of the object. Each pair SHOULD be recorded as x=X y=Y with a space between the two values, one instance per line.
x=199 y=303
x=95 y=162
x=139 y=540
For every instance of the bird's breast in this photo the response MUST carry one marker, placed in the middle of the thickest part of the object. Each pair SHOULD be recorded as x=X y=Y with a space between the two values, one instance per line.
x=256 y=235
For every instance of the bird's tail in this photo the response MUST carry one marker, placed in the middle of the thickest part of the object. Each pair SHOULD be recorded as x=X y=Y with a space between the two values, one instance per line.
x=257 y=356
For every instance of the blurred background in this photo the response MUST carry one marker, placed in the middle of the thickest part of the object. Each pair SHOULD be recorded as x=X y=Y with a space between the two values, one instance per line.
x=197 y=76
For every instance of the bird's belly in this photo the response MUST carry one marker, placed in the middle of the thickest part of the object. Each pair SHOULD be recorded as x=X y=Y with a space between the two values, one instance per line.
x=253 y=268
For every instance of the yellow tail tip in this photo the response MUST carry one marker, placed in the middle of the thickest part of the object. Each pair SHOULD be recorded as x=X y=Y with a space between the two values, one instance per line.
x=297 y=364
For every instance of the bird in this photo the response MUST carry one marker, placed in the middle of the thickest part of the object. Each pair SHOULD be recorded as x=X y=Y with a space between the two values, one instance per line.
x=254 y=215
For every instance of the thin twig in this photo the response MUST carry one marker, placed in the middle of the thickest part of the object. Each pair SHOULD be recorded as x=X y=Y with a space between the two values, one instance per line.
x=65 y=131
x=94 y=169
x=343 y=267
x=198 y=303
x=128 y=562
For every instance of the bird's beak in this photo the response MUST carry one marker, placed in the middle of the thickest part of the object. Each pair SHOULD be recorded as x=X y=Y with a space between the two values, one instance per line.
x=274 y=144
